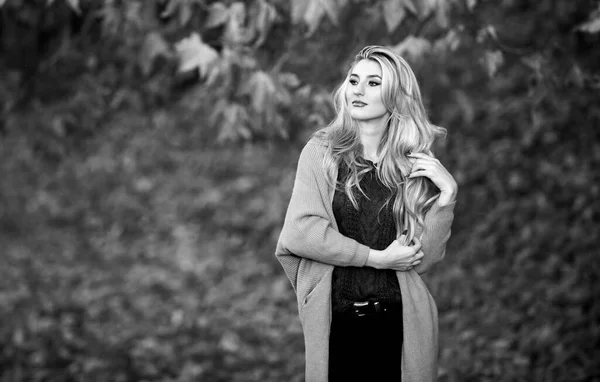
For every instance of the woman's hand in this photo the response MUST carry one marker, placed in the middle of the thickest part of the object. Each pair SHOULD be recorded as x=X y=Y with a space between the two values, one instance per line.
x=428 y=166
x=396 y=256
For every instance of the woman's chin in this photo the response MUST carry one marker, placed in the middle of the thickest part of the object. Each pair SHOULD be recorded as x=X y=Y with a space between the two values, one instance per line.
x=358 y=115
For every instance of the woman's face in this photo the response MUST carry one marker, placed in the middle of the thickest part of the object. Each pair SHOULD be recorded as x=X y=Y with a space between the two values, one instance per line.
x=363 y=93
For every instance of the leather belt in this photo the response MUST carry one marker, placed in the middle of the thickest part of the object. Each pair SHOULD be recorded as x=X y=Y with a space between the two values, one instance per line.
x=373 y=308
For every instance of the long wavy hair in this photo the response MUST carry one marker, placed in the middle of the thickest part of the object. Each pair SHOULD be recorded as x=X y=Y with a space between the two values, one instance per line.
x=407 y=130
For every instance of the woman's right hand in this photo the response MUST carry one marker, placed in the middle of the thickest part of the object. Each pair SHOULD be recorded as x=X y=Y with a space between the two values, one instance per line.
x=397 y=256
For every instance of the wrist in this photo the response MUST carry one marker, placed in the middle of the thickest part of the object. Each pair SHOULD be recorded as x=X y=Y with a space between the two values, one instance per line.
x=447 y=197
x=373 y=258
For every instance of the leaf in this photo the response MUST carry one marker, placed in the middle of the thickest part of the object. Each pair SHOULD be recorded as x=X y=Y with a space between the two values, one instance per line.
x=313 y=15
x=492 y=61
x=576 y=76
x=153 y=46
x=426 y=7
x=111 y=19
x=442 y=13
x=593 y=24
x=289 y=79
x=311 y=12
x=74 y=4
x=133 y=13
x=262 y=90
x=218 y=14
x=408 y=4
x=181 y=8
x=194 y=53
x=237 y=32
x=393 y=13
x=299 y=8
x=332 y=8
x=535 y=62
x=185 y=13
x=449 y=43
x=234 y=125
x=266 y=15
x=413 y=47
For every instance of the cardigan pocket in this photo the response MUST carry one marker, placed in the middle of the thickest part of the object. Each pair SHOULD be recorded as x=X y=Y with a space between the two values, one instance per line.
x=311 y=276
x=315 y=297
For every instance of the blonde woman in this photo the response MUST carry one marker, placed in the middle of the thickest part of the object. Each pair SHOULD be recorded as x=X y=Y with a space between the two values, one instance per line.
x=371 y=209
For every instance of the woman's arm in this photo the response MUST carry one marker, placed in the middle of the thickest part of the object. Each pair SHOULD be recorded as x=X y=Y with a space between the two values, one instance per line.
x=438 y=219
x=307 y=230
x=436 y=232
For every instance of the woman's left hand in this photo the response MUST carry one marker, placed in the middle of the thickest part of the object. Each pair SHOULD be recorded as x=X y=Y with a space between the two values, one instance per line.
x=428 y=166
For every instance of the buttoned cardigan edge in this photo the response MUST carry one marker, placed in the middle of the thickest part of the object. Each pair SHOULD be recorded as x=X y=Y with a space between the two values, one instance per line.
x=309 y=247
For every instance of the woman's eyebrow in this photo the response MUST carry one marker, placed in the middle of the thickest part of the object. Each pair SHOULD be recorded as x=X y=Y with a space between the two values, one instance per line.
x=369 y=76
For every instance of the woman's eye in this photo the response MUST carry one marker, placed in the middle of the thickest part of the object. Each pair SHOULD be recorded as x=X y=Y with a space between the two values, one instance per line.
x=353 y=81
x=373 y=83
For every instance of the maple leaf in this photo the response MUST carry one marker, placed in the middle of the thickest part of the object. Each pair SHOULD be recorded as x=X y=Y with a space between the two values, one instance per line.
x=74 y=4
x=492 y=60
x=265 y=16
x=218 y=14
x=313 y=15
x=236 y=31
x=262 y=90
x=593 y=24
x=153 y=46
x=182 y=8
x=311 y=12
x=393 y=13
x=233 y=122
x=413 y=47
x=194 y=53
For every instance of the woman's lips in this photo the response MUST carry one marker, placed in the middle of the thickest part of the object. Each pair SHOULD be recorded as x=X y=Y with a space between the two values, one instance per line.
x=358 y=103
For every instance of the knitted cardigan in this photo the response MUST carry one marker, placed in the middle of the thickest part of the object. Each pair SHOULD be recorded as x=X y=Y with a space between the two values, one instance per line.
x=309 y=247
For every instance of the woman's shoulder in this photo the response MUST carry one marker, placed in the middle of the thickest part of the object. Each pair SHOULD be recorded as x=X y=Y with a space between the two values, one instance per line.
x=315 y=147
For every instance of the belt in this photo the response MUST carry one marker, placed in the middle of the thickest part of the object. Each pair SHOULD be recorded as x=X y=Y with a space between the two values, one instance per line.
x=373 y=308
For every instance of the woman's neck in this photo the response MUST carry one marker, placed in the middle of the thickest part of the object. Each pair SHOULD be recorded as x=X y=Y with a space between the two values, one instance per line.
x=370 y=137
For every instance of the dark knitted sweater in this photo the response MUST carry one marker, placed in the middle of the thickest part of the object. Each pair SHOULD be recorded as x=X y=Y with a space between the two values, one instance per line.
x=372 y=224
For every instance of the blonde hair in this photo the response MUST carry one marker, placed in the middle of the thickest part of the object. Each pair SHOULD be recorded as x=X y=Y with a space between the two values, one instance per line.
x=407 y=130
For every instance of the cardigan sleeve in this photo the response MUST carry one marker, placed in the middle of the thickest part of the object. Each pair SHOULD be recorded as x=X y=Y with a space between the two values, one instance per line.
x=436 y=232
x=308 y=230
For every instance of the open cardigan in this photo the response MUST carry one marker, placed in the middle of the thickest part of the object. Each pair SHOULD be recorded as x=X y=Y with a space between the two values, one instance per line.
x=309 y=247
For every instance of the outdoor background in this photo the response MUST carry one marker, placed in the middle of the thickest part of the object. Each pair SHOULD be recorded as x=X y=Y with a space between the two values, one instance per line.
x=148 y=151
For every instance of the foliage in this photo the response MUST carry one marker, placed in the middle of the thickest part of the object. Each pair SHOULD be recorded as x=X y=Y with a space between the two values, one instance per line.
x=137 y=245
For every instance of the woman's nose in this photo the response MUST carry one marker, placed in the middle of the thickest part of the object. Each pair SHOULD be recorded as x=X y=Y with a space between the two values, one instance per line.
x=358 y=89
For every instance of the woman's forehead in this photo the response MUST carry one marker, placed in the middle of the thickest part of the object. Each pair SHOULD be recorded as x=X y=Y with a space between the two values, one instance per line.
x=366 y=67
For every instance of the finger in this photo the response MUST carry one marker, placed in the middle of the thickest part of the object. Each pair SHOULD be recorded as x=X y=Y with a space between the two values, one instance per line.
x=419 y=173
x=402 y=239
x=419 y=155
x=414 y=264
x=419 y=255
x=416 y=246
x=423 y=156
x=431 y=167
x=424 y=165
x=426 y=161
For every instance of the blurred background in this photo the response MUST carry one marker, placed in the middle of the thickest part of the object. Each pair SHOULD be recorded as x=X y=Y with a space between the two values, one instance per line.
x=147 y=156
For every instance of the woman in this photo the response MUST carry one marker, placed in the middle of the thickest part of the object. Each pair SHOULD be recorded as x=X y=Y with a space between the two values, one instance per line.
x=371 y=209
